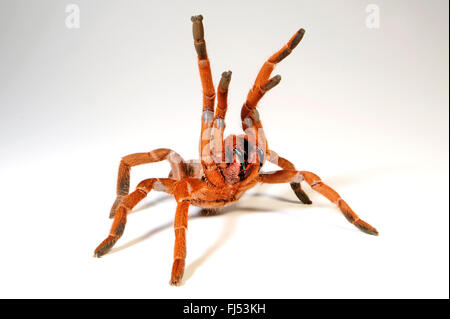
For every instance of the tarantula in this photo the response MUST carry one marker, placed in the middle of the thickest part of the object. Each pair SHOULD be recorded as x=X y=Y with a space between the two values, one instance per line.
x=227 y=167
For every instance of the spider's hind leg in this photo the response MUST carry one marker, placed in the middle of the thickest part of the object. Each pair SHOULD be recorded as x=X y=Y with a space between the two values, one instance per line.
x=316 y=183
x=263 y=83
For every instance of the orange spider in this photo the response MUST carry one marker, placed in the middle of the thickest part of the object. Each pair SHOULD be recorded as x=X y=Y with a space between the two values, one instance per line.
x=227 y=168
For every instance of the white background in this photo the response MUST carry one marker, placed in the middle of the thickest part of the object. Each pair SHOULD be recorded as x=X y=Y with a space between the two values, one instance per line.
x=365 y=109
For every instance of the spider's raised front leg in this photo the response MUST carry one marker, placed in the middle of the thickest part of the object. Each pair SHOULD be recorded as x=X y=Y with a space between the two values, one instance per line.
x=251 y=123
x=262 y=82
x=289 y=176
x=287 y=165
x=123 y=179
x=127 y=204
x=183 y=191
x=210 y=170
x=179 y=254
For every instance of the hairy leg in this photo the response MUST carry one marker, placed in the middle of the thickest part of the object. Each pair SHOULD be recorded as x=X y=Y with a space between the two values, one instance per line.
x=218 y=129
x=287 y=165
x=209 y=211
x=179 y=255
x=288 y=176
x=126 y=205
x=123 y=179
x=262 y=82
x=185 y=191
x=210 y=168
x=193 y=169
x=251 y=123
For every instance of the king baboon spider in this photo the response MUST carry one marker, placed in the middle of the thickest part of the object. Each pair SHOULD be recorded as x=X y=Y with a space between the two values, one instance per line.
x=227 y=168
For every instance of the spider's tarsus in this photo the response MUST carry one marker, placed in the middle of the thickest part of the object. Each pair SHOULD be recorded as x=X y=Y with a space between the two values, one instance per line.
x=367 y=230
x=177 y=272
x=197 y=18
x=197 y=28
x=272 y=82
x=198 y=33
x=292 y=44
x=105 y=246
x=97 y=255
x=301 y=195
x=298 y=37
x=225 y=80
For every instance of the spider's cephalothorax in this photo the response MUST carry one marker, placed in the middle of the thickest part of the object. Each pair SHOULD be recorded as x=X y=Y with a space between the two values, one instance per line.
x=227 y=167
